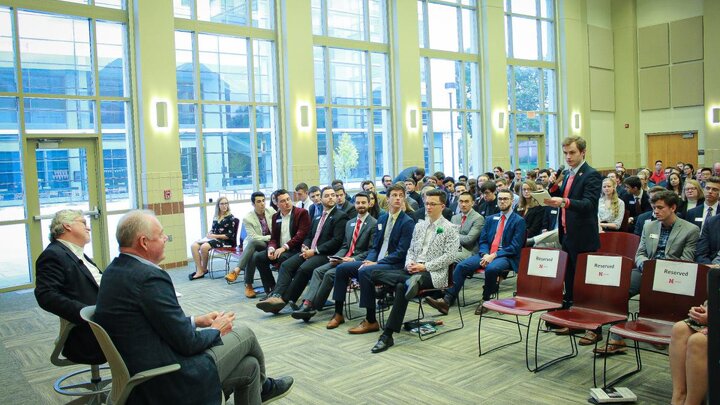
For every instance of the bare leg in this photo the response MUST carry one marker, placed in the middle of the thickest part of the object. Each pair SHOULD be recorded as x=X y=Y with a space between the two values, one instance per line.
x=678 y=348
x=696 y=369
x=204 y=253
x=195 y=250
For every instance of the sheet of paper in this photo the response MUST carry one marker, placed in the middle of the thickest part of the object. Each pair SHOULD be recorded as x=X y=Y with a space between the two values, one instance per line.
x=540 y=196
x=603 y=270
x=543 y=263
x=675 y=277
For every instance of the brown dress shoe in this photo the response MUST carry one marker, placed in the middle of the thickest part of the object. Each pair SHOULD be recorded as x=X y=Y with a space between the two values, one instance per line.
x=364 y=327
x=441 y=305
x=613 y=347
x=481 y=310
x=249 y=291
x=336 y=321
x=272 y=304
x=590 y=338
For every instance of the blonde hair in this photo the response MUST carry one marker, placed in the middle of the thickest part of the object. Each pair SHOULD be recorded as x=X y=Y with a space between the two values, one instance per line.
x=217 y=208
x=527 y=203
x=696 y=184
x=614 y=200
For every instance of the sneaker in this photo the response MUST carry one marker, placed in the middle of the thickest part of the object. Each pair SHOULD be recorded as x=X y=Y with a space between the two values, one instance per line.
x=280 y=387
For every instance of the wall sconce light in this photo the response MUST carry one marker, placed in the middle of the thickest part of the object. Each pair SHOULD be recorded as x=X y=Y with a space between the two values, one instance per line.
x=304 y=116
x=501 y=120
x=576 y=121
x=716 y=115
x=413 y=118
x=161 y=114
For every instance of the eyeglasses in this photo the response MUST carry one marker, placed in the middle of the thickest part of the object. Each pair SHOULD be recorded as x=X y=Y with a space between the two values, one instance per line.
x=504 y=198
x=433 y=204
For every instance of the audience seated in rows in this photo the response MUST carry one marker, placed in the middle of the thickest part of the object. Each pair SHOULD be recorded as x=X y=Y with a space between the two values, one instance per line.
x=709 y=207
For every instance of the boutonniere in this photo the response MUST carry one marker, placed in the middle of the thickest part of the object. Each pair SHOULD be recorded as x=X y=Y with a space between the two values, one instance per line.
x=439 y=230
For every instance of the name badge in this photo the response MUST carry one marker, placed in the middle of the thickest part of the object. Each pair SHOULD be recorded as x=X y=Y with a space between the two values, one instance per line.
x=654 y=236
x=553 y=211
x=379 y=227
x=698 y=219
x=632 y=202
x=278 y=221
x=352 y=224
x=496 y=219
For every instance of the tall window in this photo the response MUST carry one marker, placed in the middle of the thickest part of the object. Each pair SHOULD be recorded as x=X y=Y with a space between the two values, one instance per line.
x=531 y=76
x=70 y=78
x=449 y=86
x=351 y=89
x=227 y=105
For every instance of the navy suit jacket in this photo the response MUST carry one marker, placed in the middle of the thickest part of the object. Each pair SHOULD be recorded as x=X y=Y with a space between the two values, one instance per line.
x=64 y=286
x=399 y=242
x=697 y=214
x=513 y=237
x=709 y=243
x=633 y=208
x=582 y=213
x=332 y=234
x=138 y=308
x=640 y=222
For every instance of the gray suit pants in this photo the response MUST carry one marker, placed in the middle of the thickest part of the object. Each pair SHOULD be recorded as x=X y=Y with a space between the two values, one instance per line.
x=247 y=260
x=241 y=365
x=321 y=284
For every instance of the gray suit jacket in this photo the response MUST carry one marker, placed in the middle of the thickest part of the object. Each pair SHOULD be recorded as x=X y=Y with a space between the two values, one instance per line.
x=362 y=246
x=441 y=250
x=680 y=245
x=253 y=228
x=469 y=232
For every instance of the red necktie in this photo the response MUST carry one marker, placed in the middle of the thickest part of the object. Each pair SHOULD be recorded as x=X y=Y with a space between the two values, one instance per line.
x=498 y=235
x=566 y=192
x=355 y=237
x=464 y=217
x=318 y=230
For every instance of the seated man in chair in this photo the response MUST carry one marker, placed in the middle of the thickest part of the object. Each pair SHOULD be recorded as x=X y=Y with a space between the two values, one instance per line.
x=67 y=281
x=501 y=240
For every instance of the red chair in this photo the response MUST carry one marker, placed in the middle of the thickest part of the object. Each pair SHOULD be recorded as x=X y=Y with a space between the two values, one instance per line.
x=619 y=243
x=658 y=313
x=534 y=294
x=225 y=252
x=595 y=305
x=422 y=294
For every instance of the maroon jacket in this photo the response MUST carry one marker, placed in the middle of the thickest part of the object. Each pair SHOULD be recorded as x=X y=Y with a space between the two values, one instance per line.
x=299 y=229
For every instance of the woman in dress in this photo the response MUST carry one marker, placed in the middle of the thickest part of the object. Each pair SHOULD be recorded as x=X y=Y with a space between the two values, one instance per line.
x=688 y=358
x=611 y=209
x=222 y=233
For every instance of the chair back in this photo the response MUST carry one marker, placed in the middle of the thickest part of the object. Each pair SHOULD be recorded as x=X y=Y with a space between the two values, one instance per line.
x=606 y=298
x=120 y=373
x=56 y=357
x=241 y=237
x=236 y=225
x=619 y=243
x=668 y=306
x=539 y=287
x=624 y=223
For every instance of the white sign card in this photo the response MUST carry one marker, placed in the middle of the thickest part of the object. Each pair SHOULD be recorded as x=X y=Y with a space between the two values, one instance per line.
x=543 y=263
x=603 y=270
x=675 y=277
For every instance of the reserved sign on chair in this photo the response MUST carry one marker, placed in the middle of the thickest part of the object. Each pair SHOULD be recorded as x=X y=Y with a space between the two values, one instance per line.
x=675 y=277
x=603 y=270
x=543 y=263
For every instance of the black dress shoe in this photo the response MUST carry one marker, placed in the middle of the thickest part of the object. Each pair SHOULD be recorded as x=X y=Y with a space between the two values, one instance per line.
x=280 y=387
x=191 y=278
x=384 y=343
x=304 y=313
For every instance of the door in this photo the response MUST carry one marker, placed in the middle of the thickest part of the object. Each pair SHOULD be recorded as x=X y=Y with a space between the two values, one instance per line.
x=64 y=174
x=530 y=151
x=672 y=148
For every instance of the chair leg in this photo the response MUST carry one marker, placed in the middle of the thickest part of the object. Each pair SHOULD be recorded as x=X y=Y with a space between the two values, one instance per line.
x=573 y=351
x=517 y=323
x=638 y=365
x=421 y=315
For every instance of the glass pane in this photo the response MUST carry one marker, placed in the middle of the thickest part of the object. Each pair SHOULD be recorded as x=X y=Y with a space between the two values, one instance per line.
x=345 y=19
x=546 y=9
x=443 y=27
x=350 y=154
x=550 y=97
x=527 y=153
x=223 y=68
x=117 y=155
x=474 y=142
x=427 y=139
x=112 y=222
x=527 y=7
x=262 y=14
x=187 y=117
x=12 y=195
x=379 y=72
x=193 y=229
x=446 y=141
x=472 y=89
x=59 y=115
x=264 y=71
x=421 y=24
x=527 y=88
x=528 y=122
x=445 y=83
x=383 y=141
x=548 y=41
x=469 y=28
x=118 y=4
x=265 y=142
x=183 y=8
x=112 y=62
x=15 y=266
x=323 y=160
x=317 y=20
x=319 y=64
x=55 y=54
x=7 y=52
x=524 y=37
x=8 y=116
x=223 y=11
x=423 y=82
x=376 y=12
x=347 y=77
x=226 y=133
x=184 y=65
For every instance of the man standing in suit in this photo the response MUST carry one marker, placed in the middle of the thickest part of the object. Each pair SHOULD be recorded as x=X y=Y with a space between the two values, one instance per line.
x=709 y=208
x=138 y=308
x=670 y=237
x=325 y=237
x=359 y=232
x=708 y=245
x=470 y=224
x=501 y=239
x=389 y=248
x=432 y=250
x=67 y=281
x=636 y=199
x=257 y=227
x=290 y=226
x=576 y=194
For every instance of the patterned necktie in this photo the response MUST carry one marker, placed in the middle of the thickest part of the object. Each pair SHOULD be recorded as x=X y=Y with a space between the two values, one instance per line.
x=354 y=238
x=708 y=215
x=498 y=236
x=263 y=225
x=318 y=230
